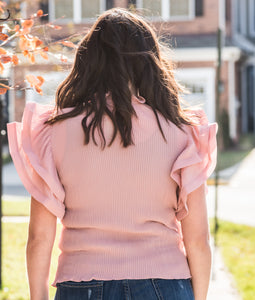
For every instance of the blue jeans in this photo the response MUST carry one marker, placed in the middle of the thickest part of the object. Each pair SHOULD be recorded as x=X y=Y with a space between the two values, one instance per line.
x=128 y=289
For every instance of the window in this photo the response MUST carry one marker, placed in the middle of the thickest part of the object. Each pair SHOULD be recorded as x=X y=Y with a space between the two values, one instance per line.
x=244 y=17
x=179 y=8
x=253 y=11
x=83 y=10
x=44 y=5
x=238 y=17
x=77 y=10
x=250 y=71
x=63 y=8
x=169 y=9
x=152 y=8
x=131 y=2
x=252 y=18
x=90 y=8
x=199 y=8
x=201 y=83
x=109 y=4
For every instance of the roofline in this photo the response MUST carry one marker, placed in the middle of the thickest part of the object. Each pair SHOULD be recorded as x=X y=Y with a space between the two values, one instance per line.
x=244 y=43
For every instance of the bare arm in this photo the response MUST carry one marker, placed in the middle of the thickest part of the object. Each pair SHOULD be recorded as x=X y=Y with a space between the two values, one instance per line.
x=195 y=231
x=42 y=231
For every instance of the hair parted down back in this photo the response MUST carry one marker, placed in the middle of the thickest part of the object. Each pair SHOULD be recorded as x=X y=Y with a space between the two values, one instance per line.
x=120 y=49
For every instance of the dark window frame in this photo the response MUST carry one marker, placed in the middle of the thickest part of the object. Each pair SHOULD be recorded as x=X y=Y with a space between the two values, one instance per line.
x=131 y=2
x=109 y=4
x=44 y=6
x=199 y=8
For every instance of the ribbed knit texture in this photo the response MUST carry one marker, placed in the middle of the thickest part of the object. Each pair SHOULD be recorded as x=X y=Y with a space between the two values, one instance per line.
x=118 y=206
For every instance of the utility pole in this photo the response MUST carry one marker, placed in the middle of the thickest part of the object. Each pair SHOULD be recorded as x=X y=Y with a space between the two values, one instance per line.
x=219 y=88
x=1 y=185
x=218 y=91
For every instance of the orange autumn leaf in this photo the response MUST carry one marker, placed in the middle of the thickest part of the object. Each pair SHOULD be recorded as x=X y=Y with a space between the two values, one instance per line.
x=15 y=59
x=38 y=89
x=41 y=80
x=3 y=37
x=2 y=51
x=56 y=27
x=37 y=42
x=1 y=68
x=31 y=79
x=46 y=49
x=3 y=91
x=23 y=42
x=44 y=55
x=31 y=57
x=34 y=80
x=25 y=31
x=29 y=42
x=63 y=58
x=2 y=4
x=27 y=23
x=39 y=13
x=68 y=44
x=17 y=27
x=5 y=59
x=25 y=53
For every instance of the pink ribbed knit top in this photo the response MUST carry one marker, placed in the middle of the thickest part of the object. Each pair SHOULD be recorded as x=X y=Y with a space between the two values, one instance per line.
x=119 y=207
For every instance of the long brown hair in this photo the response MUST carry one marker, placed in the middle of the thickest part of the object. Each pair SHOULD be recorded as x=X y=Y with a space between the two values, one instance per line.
x=120 y=50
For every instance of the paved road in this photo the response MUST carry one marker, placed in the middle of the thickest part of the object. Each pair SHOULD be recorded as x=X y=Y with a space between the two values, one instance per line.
x=235 y=204
x=12 y=185
x=236 y=201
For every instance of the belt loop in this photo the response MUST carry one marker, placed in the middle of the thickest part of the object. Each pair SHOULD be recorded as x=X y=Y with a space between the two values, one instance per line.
x=126 y=289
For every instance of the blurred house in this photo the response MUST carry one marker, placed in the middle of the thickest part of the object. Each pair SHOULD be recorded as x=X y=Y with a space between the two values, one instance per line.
x=190 y=28
x=243 y=35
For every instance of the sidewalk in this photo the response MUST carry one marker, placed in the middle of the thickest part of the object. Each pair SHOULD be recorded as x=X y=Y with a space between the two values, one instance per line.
x=222 y=285
x=244 y=176
x=237 y=195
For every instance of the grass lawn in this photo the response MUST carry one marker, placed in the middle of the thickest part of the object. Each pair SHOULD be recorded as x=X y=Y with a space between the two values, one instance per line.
x=6 y=159
x=15 y=284
x=228 y=158
x=237 y=244
x=16 y=207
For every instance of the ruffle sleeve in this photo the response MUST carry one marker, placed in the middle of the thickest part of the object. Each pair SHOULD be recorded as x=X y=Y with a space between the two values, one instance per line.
x=196 y=162
x=31 y=151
